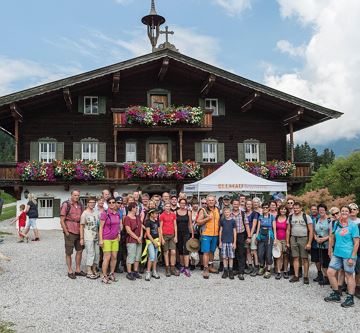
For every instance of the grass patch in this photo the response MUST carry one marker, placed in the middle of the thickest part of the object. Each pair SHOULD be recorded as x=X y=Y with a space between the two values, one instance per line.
x=8 y=213
x=6 y=327
x=7 y=197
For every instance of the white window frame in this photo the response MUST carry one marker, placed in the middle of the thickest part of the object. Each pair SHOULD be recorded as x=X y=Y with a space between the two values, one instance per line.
x=128 y=153
x=252 y=151
x=47 y=156
x=93 y=152
x=209 y=152
x=94 y=109
x=215 y=108
x=46 y=207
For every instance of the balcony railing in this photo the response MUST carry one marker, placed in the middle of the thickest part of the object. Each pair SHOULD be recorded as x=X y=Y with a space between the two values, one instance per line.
x=115 y=172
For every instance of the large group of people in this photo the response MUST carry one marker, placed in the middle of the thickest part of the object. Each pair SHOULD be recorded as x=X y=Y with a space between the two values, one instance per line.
x=135 y=233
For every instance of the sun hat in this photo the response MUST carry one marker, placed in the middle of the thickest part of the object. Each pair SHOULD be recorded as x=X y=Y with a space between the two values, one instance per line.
x=193 y=245
x=276 y=251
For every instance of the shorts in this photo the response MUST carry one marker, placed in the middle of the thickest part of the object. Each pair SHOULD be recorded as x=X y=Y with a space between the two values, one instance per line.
x=297 y=245
x=111 y=245
x=253 y=244
x=208 y=243
x=321 y=256
x=72 y=241
x=283 y=246
x=169 y=243
x=31 y=223
x=152 y=252
x=227 y=251
x=183 y=237
x=92 y=252
x=134 y=251
x=357 y=266
x=338 y=263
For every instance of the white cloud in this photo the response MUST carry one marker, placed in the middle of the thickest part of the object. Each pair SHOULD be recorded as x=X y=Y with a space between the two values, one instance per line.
x=286 y=47
x=330 y=75
x=17 y=74
x=124 y=2
x=234 y=7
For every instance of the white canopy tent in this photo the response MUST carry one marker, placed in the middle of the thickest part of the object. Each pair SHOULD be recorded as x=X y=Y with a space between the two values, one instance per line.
x=232 y=178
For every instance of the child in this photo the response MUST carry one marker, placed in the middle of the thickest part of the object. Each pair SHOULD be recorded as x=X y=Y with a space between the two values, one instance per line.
x=21 y=224
x=168 y=228
x=227 y=242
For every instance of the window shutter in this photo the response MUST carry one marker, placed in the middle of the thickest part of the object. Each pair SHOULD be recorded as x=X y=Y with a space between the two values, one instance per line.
x=59 y=151
x=56 y=207
x=241 y=152
x=262 y=152
x=198 y=152
x=102 y=105
x=34 y=151
x=76 y=150
x=102 y=152
x=221 y=152
x=221 y=107
x=202 y=103
x=81 y=104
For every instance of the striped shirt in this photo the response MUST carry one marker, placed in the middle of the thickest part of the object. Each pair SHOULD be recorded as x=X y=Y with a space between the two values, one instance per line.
x=240 y=224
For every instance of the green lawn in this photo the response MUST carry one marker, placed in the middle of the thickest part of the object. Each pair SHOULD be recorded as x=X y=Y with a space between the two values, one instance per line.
x=6 y=327
x=8 y=213
x=7 y=197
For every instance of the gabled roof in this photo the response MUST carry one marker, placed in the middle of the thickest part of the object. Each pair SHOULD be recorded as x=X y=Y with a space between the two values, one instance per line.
x=97 y=73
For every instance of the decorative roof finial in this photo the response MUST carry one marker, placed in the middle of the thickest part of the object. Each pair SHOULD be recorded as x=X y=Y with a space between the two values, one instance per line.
x=153 y=10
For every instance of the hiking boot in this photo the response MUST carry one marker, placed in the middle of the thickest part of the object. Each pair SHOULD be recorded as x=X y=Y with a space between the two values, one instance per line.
x=136 y=275
x=241 y=277
x=249 y=270
x=206 y=273
x=261 y=271
x=221 y=267
x=324 y=282
x=130 y=276
x=319 y=277
x=306 y=280
x=147 y=276
x=231 y=274
x=155 y=275
x=267 y=275
x=167 y=271
x=349 y=301
x=213 y=270
x=357 y=292
x=225 y=274
x=174 y=271
x=285 y=275
x=333 y=297
x=278 y=276
x=254 y=272
x=294 y=279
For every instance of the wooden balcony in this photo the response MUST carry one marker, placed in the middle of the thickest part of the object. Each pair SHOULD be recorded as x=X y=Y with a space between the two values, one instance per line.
x=114 y=173
x=120 y=123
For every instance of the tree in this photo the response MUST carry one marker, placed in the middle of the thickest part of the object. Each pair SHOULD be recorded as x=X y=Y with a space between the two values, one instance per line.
x=7 y=148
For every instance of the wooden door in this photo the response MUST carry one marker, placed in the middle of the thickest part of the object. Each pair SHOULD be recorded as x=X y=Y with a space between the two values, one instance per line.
x=158 y=152
x=159 y=101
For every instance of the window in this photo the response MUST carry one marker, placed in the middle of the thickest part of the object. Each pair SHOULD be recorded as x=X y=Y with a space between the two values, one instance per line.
x=209 y=152
x=47 y=151
x=252 y=152
x=130 y=152
x=89 y=151
x=212 y=103
x=46 y=207
x=91 y=105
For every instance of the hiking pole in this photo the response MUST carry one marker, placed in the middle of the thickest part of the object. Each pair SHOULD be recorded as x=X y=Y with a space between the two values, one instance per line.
x=320 y=259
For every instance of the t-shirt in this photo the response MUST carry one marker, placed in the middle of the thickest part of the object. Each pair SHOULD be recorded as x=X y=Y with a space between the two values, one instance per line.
x=135 y=226
x=167 y=220
x=228 y=227
x=322 y=229
x=111 y=226
x=344 y=242
x=251 y=217
x=91 y=222
x=281 y=229
x=33 y=210
x=22 y=220
x=298 y=225
x=154 y=228
x=72 y=220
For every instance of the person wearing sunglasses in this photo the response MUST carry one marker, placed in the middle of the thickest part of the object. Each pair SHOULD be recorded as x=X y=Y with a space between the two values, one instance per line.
x=109 y=237
x=354 y=211
x=290 y=206
x=345 y=236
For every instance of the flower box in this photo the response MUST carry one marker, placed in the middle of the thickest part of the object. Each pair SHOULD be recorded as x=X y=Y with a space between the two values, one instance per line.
x=269 y=170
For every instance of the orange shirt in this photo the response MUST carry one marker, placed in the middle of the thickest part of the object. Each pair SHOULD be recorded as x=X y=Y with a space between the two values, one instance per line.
x=211 y=228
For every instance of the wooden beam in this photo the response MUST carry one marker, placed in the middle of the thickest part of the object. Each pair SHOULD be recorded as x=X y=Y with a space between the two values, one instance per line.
x=115 y=144
x=295 y=117
x=163 y=69
x=291 y=129
x=116 y=82
x=249 y=101
x=207 y=85
x=181 y=144
x=15 y=112
x=67 y=98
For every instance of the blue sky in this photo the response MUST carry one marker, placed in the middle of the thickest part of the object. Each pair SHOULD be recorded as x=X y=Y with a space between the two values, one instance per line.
x=281 y=43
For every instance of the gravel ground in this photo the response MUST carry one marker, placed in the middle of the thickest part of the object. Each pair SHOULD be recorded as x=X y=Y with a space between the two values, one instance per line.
x=37 y=296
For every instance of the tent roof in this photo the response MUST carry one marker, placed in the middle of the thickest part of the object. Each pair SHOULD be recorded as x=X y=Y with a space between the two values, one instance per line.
x=231 y=177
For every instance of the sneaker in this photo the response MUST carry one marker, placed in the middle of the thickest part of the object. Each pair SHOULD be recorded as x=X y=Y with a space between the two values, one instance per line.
x=294 y=279
x=182 y=270
x=261 y=271
x=155 y=275
x=278 y=276
x=147 y=276
x=349 y=301
x=254 y=272
x=285 y=275
x=324 y=282
x=267 y=275
x=241 y=277
x=249 y=270
x=231 y=274
x=167 y=271
x=206 y=273
x=333 y=297
x=319 y=277
x=130 y=276
x=187 y=272
x=306 y=280
x=213 y=270
x=136 y=275
x=225 y=274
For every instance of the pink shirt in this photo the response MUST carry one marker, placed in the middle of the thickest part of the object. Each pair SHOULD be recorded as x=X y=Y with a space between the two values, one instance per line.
x=72 y=219
x=111 y=228
x=281 y=229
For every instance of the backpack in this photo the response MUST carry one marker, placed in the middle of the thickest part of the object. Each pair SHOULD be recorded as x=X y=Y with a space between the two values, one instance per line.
x=304 y=218
x=68 y=207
